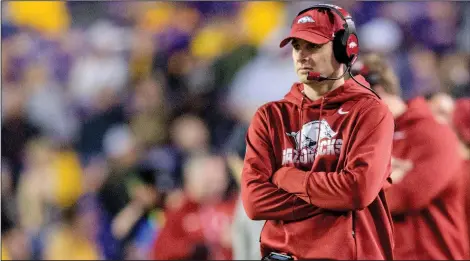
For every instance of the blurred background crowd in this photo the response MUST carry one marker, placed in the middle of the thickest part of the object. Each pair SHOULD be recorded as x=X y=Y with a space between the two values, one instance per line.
x=123 y=123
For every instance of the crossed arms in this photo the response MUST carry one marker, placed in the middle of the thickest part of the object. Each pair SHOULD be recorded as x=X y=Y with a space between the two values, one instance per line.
x=290 y=194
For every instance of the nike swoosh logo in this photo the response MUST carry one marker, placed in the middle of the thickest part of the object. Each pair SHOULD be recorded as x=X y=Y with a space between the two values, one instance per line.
x=340 y=111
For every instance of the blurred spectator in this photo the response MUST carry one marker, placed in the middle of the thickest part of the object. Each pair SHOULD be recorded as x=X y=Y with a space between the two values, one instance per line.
x=267 y=77
x=120 y=195
x=74 y=237
x=461 y=123
x=464 y=33
x=380 y=35
x=198 y=228
x=100 y=76
x=442 y=106
x=454 y=71
x=149 y=110
x=47 y=106
x=37 y=185
x=426 y=174
x=423 y=67
x=14 y=241
x=17 y=130
x=190 y=134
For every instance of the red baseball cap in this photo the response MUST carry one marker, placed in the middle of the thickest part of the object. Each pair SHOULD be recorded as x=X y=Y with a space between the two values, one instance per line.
x=461 y=118
x=313 y=26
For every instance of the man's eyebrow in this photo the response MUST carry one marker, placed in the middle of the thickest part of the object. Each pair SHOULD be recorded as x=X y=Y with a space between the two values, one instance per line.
x=317 y=45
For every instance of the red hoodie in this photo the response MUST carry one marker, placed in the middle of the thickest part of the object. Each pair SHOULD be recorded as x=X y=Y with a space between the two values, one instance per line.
x=331 y=205
x=428 y=204
x=195 y=224
x=466 y=171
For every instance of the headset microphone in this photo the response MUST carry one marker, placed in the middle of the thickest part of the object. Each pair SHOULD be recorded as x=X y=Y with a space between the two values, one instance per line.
x=316 y=76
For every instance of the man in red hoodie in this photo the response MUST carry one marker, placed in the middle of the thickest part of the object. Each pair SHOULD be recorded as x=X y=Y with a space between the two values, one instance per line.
x=317 y=161
x=427 y=197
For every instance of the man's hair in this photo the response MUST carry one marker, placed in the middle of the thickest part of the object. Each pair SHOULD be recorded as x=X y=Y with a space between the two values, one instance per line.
x=380 y=73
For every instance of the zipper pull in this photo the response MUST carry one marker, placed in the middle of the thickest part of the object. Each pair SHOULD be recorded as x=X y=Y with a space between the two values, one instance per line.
x=353 y=234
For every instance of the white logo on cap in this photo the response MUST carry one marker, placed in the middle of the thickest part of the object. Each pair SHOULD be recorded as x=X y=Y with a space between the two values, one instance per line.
x=305 y=19
x=352 y=44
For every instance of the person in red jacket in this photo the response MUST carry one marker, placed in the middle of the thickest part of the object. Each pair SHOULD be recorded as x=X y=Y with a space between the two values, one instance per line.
x=427 y=196
x=197 y=226
x=317 y=161
x=461 y=124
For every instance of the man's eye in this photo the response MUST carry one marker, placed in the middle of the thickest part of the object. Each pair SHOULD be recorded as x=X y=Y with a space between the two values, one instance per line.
x=314 y=46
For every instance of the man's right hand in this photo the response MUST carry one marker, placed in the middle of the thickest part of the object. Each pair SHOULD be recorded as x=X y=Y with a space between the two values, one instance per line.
x=399 y=169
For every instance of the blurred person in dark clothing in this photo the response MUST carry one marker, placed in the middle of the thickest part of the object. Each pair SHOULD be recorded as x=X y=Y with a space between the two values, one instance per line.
x=15 y=243
x=127 y=194
x=189 y=136
x=93 y=129
x=16 y=128
x=149 y=120
x=197 y=226
x=427 y=196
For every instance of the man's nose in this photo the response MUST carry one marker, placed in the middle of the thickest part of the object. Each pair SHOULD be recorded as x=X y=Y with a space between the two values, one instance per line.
x=302 y=56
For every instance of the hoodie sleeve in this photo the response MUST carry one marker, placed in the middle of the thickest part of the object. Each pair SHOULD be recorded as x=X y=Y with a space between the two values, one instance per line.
x=436 y=163
x=263 y=200
x=365 y=173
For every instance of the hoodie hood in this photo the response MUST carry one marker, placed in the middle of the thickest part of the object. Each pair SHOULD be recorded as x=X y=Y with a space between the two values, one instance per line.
x=417 y=110
x=333 y=99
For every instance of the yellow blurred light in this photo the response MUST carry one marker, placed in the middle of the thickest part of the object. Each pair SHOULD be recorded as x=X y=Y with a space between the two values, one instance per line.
x=69 y=178
x=50 y=17
x=261 y=18
x=209 y=43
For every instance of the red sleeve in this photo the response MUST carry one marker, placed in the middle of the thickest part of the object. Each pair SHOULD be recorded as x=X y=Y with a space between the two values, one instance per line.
x=435 y=164
x=263 y=200
x=365 y=173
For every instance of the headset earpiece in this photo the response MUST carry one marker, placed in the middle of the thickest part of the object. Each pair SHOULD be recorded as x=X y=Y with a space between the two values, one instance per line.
x=339 y=49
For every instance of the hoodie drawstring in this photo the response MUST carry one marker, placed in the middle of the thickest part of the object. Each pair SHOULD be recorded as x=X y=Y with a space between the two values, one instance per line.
x=299 y=149
x=301 y=125
x=319 y=127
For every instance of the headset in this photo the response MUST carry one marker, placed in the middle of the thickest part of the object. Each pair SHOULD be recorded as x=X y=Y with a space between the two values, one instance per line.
x=345 y=43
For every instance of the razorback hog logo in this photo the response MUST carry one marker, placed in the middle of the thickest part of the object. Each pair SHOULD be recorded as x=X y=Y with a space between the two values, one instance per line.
x=315 y=137
x=305 y=19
